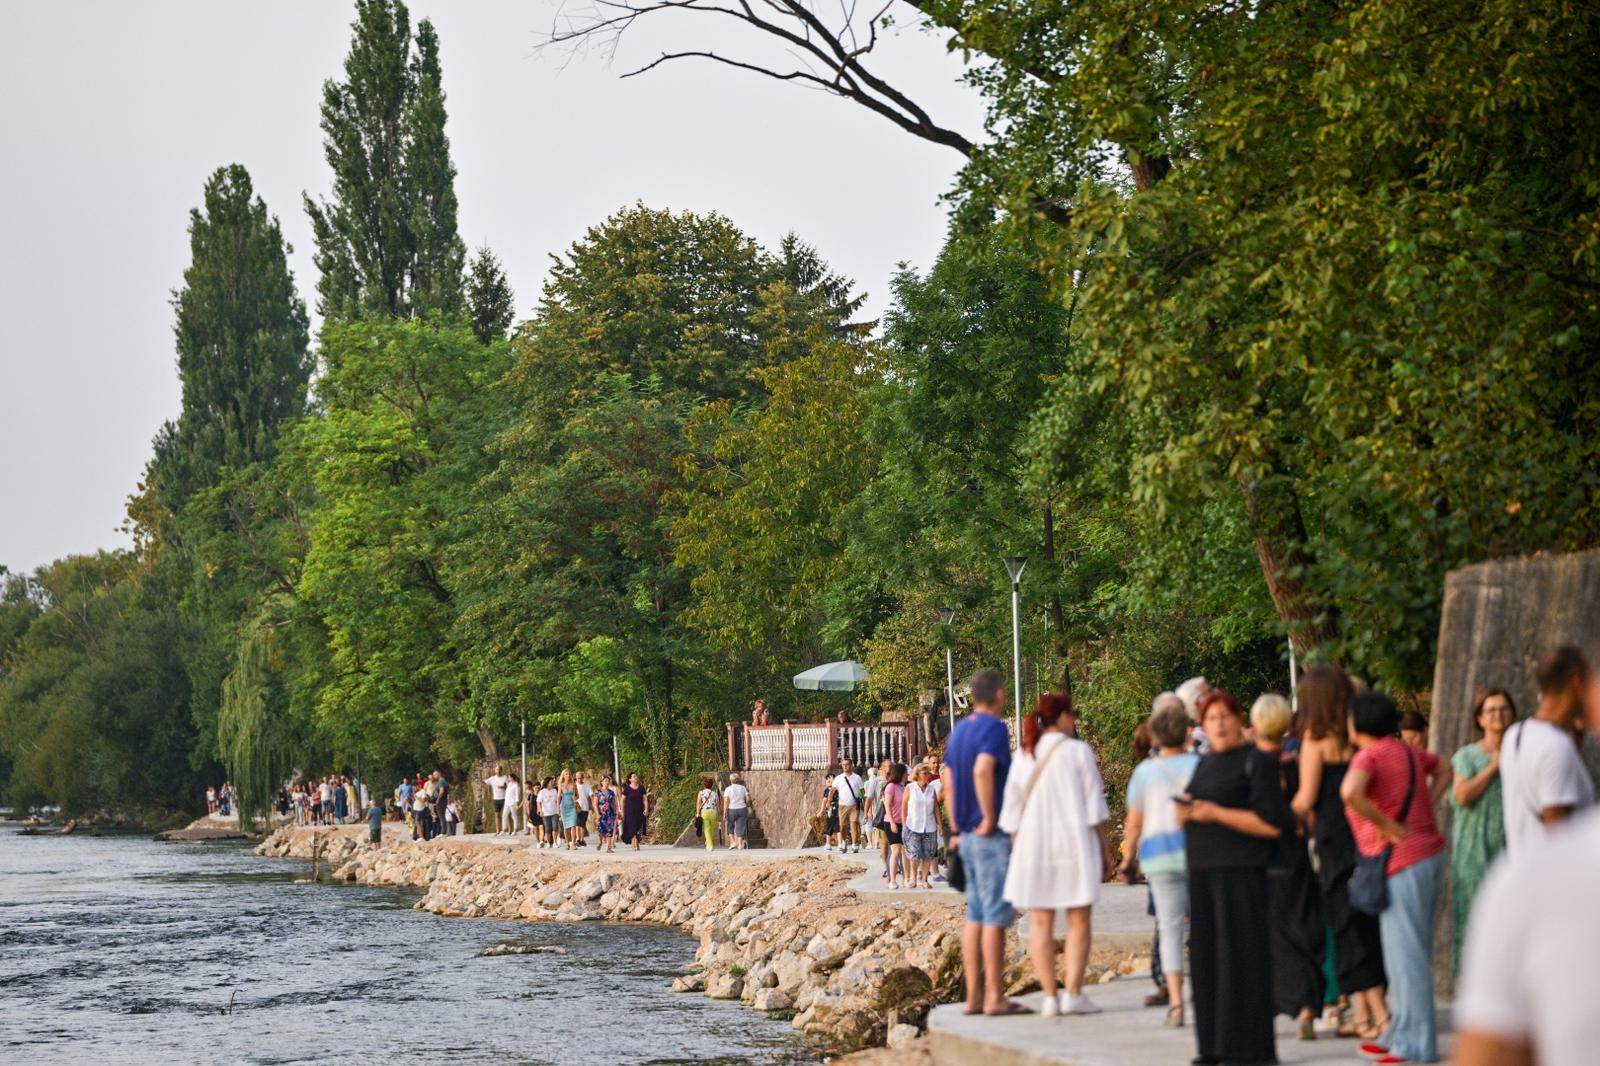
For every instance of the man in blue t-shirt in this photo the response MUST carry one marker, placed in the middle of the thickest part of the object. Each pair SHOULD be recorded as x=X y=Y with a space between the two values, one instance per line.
x=976 y=761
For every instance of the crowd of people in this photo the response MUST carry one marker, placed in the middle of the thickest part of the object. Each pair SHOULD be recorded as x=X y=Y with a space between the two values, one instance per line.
x=1292 y=849
x=561 y=811
x=220 y=800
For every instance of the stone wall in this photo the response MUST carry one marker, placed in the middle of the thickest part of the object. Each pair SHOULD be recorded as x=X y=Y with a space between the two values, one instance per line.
x=1498 y=619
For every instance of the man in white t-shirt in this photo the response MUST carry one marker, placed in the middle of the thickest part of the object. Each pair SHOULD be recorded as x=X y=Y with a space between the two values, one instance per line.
x=497 y=790
x=1543 y=779
x=585 y=792
x=1523 y=998
x=847 y=786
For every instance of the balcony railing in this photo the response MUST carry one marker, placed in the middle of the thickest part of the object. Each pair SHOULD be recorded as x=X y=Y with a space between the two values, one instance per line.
x=819 y=745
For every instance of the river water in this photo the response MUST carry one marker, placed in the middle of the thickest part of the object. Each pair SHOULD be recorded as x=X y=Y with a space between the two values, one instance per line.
x=122 y=950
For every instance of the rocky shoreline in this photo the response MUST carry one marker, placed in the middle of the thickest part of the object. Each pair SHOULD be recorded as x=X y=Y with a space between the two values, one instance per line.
x=786 y=936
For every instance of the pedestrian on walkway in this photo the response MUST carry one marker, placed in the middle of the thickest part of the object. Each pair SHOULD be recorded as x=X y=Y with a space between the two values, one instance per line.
x=1522 y=999
x=1391 y=789
x=847 y=788
x=1324 y=696
x=892 y=819
x=497 y=792
x=1478 y=824
x=1234 y=810
x=1153 y=841
x=635 y=811
x=977 y=761
x=510 y=805
x=736 y=812
x=568 y=789
x=706 y=805
x=1055 y=810
x=605 y=814
x=1544 y=778
x=923 y=804
x=1294 y=903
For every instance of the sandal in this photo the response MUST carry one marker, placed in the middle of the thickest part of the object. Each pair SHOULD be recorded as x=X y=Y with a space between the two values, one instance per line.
x=1307 y=1029
x=1174 y=1018
x=1012 y=1007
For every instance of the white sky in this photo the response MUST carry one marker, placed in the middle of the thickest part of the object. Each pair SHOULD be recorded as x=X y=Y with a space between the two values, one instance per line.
x=112 y=114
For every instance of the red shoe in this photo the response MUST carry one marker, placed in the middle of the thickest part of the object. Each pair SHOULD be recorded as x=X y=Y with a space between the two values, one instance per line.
x=1373 y=1052
x=1392 y=1060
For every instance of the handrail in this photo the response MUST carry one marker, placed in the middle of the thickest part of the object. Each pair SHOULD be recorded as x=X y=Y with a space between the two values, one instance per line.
x=819 y=745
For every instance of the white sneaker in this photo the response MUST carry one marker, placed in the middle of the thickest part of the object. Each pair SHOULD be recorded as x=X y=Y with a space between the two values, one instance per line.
x=1050 y=1008
x=1078 y=1004
x=827 y=847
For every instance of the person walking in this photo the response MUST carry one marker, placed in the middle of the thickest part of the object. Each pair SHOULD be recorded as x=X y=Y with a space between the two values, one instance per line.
x=1153 y=841
x=921 y=837
x=1294 y=903
x=510 y=805
x=1232 y=813
x=1054 y=807
x=375 y=826
x=847 y=788
x=1324 y=695
x=497 y=794
x=706 y=805
x=568 y=790
x=736 y=812
x=1391 y=813
x=605 y=815
x=872 y=812
x=1522 y=999
x=1477 y=825
x=1541 y=772
x=635 y=811
x=585 y=793
x=548 y=809
x=891 y=821
x=977 y=763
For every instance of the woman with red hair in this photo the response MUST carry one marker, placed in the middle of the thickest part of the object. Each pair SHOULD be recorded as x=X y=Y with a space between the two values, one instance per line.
x=1055 y=810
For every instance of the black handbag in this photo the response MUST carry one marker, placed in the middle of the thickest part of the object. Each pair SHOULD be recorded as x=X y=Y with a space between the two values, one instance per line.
x=1369 y=884
x=955 y=873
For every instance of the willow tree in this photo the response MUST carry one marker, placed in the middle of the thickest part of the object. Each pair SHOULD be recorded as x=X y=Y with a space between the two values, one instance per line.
x=256 y=737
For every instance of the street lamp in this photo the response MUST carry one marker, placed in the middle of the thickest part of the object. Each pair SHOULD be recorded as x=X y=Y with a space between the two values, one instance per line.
x=1015 y=564
x=947 y=615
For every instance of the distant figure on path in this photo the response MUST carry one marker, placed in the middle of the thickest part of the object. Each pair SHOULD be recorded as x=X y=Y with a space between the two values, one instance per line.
x=1055 y=811
x=849 y=789
x=736 y=812
x=585 y=794
x=375 y=826
x=605 y=814
x=977 y=761
x=211 y=799
x=635 y=811
x=510 y=805
x=497 y=792
x=706 y=804
x=569 y=809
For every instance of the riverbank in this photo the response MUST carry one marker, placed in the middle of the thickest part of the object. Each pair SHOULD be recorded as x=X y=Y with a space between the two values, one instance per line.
x=789 y=933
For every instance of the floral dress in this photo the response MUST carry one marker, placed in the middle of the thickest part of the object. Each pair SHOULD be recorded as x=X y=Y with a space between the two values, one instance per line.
x=1477 y=835
x=605 y=807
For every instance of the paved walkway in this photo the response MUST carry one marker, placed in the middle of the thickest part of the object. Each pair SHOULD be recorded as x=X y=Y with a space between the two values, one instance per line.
x=1126 y=1033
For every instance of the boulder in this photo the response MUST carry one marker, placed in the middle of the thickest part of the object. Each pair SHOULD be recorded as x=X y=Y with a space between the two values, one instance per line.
x=725 y=986
x=901 y=1035
x=770 y=999
x=689 y=982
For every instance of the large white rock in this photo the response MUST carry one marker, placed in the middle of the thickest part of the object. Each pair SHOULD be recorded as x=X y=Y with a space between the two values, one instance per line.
x=725 y=986
x=901 y=1035
x=772 y=999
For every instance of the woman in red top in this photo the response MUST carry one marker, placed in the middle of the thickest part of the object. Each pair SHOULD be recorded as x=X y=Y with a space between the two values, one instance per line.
x=1389 y=793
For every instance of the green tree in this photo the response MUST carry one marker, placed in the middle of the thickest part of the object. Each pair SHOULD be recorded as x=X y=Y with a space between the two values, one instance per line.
x=408 y=408
x=241 y=338
x=490 y=304
x=387 y=241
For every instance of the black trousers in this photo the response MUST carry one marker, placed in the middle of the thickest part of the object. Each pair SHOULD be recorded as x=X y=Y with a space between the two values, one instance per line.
x=1298 y=934
x=1357 y=948
x=1230 y=958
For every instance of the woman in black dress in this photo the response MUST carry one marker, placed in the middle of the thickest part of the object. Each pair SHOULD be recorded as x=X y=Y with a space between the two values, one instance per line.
x=1294 y=903
x=1325 y=752
x=635 y=811
x=1235 y=811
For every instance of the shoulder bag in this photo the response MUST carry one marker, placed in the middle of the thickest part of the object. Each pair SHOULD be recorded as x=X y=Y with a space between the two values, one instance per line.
x=1369 y=884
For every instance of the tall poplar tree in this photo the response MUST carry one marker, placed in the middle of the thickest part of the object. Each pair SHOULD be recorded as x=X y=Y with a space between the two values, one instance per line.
x=387 y=241
x=242 y=338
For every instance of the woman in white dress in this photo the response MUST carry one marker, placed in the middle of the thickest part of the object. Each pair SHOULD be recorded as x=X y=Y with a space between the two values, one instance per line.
x=1055 y=810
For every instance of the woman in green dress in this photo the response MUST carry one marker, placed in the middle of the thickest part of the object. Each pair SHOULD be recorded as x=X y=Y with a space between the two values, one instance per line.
x=1479 y=830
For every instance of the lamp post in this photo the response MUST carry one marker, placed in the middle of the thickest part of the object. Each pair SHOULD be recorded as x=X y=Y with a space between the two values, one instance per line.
x=1015 y=564
x=947 y=615
x=524 y=753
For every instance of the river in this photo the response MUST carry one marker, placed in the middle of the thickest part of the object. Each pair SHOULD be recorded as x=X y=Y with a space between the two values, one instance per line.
x=119 y=949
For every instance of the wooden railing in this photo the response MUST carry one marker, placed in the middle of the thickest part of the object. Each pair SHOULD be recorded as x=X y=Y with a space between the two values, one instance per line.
x=819 y=745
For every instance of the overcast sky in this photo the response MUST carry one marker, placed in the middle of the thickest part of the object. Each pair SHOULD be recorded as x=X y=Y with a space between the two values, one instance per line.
x=113 y=113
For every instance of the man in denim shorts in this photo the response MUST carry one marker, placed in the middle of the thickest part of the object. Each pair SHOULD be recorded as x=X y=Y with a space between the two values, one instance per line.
x=977 y=759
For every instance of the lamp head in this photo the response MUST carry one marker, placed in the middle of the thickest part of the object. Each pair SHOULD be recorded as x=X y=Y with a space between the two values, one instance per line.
x=947 y=615
x=1015 y=564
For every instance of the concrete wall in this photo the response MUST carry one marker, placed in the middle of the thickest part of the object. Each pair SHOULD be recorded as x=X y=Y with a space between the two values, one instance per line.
x=783 y=802
x=1498 y=619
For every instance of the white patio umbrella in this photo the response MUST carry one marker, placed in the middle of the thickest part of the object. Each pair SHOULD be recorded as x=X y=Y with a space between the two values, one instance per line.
x=843 y=676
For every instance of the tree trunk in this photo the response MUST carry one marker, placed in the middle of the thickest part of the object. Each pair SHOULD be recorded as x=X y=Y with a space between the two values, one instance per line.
x=1279 y=532
x=491 y=747
x=1058 y=617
